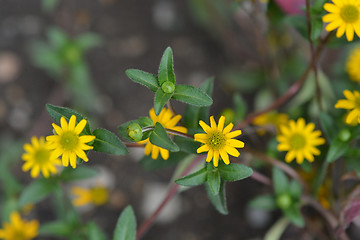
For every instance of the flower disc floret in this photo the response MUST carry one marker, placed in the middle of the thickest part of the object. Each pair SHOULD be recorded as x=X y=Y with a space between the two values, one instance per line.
x=69 y=142
x=19 y=229
x=351 y=103
x=299 y=140
x=39 y=158
x=345 y=16
x=218 y=141
x=168 y=121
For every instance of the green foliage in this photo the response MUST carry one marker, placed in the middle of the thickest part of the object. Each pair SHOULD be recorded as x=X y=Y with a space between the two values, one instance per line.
x=191 y=95
x=264 y=202
x=147 y=79
x=186 y=144
x=280 y=181
x=213 y=179
x=166 y=68
x=218 y=200
x=37 y=191
x=161 y=98
x=160 y=138
x=57 y=228
x=194 y=179
x=108 y=142
x=234 y=172
x=126 y=225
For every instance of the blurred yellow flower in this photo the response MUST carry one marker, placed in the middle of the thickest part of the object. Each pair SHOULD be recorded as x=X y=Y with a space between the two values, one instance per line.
x=345 y=16
x=96 y=195
x=68 y=141
x=270 y=118
x=168 y=121
x=38 y=157
x=218 y=141
x=352 y=65
x=18 y=229
x=351 y=103
x=300 y=140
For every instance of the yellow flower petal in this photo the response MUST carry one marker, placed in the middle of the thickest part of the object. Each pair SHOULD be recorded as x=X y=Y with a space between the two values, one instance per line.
x=224 y=156
x=80 y=126
x=221 y=123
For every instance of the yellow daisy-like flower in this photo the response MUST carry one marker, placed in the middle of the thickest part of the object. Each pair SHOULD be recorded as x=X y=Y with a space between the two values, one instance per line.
x=19 y=229
x=270 y=118
x=218 y=141
x=96 y=195
x=351 y=103
x=38 y=157
x=352 y=65
x=68 y=141
x=300 y=140
x=345 y=16
x=168 y=121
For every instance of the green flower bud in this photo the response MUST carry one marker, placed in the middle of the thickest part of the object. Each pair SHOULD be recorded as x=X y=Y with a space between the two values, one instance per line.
x=284 y=201
x=168 y=87
x=344 y=135
x=71 y=53
x=134 y=132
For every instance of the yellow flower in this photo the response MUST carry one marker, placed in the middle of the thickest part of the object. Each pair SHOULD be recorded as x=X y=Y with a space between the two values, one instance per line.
x=38 y=157
x=218 y=140
x=300 y=140
x=96 y=195
x=352 y=65
x=352 y=103
x=270 y=118
x=68 y=141
x=168 y=121
x=345 y=16
x=19 y=229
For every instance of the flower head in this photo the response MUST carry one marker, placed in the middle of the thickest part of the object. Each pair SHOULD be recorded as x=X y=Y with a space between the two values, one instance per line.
x=218 y=141
x=270 y=118
x=68 y=141
x=351 y=103
x=38 y=157
x=300 y=140
x=167 y=120
x=96 y=195
x=352 y=65
x=345 y=16
x=18 y=229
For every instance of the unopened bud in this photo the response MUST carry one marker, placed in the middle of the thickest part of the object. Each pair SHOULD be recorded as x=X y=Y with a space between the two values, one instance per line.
x=284 y=201
x=134 y=132
x=168 y=87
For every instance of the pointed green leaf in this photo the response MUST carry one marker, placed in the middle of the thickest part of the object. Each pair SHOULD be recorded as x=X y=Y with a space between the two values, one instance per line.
x=57 y=112
x=126 y=225
x=264 y=202
x=79 y=173
x=280 y=181
x=186 y=144
x=108 y=142
x=191 y=95
x=166 y=68
x=143 y=122
x=160 y=100
x=327 y=125
x=213 y=179
x=337 y=149
x=295 y=189
x=56 y=228
x=88 y=40
x=147 y=79
x=240 y=107
x=193 y=113
x=219 y=200
x=160 y=138
x=193 y=179
x=37 y=191
x=57 y=37
x=94 y=232
x=234 y=172
x=294 y=215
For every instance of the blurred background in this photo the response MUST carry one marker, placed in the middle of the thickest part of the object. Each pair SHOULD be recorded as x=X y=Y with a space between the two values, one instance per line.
x=75 y=53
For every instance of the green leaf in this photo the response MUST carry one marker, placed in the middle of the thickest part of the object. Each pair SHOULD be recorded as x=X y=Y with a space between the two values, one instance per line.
x=94 y=232
x=213 y=179
x=295 y=189
x=240 y=107
x=57 y=112
x=108 y=142
x=150 y=164
x=280 y=181
x=219 y=200
x=294 y=215
x=57 y=37
x=316 y=28
x=264 y=202
x=56 y=228
x=186 y=144
x=193 y=113
x=79 y=173
x=88 y=40
x=143 y=122
x=166 y=68
x=49 y=5
x=193 y=179
x=147 y=79
x=191 y=95
x=37 y=191
x=8 y=206
x=160 y=100
x=337 y=149
x=126 y=225
x=234 y=172
x=327 y=125
x=160 y=138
